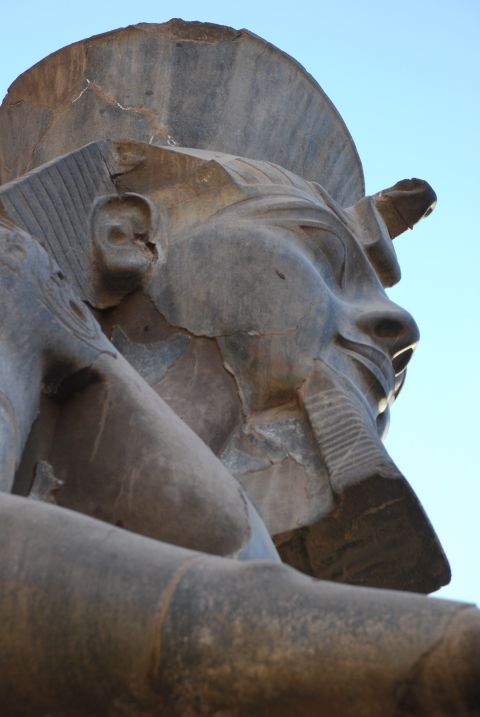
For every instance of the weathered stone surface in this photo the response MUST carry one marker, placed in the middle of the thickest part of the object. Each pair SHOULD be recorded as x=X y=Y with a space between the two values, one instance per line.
x=189 y=85
x=227 y=343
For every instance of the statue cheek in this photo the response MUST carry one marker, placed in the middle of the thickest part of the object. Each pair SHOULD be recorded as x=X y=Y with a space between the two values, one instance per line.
x=254 y=283
x=269 y=368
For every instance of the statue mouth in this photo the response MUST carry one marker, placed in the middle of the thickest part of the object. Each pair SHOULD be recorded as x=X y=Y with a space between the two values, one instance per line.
x=377 y=365
x=399 y=363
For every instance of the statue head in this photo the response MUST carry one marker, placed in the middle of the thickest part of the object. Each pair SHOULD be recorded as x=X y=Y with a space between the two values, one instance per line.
x=261 y=286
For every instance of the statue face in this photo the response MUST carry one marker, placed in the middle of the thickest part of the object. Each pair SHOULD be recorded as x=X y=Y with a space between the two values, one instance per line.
x=280 y=347
x=300 y=316
x=284 y=300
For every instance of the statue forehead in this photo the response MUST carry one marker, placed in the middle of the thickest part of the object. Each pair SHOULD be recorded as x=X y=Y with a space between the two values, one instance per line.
x=245 y=187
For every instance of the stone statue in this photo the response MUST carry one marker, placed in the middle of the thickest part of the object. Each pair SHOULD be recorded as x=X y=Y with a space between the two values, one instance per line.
x=198 y=361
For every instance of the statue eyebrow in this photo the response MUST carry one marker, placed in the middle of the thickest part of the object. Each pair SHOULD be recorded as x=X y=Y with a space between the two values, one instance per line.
x=281 y=206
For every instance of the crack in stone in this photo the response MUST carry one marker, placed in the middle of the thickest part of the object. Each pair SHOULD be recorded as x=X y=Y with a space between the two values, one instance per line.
x=82 y=92
x=147 y=112
x=155 y=128
x=162 y=611
x=382 y=506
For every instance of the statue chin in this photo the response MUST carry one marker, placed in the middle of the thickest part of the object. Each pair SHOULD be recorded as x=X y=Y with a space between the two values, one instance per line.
x=327 y=490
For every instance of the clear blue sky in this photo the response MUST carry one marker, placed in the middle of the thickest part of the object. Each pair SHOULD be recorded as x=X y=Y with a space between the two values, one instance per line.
x=405 y=77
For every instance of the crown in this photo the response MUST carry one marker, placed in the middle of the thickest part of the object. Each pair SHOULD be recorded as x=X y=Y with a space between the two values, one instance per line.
x=185 y=84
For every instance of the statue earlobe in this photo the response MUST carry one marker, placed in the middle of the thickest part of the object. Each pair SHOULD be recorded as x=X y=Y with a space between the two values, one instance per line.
x=124 y=233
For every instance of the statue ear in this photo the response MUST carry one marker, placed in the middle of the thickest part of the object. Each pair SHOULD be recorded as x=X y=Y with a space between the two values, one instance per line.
x=124 y=235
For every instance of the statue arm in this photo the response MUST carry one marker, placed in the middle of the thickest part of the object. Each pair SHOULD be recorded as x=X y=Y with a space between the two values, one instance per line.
x=119 y=453
x=109 y=444
x=116 y=623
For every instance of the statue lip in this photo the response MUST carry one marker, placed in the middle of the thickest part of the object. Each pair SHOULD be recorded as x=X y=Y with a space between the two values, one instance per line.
x=376 y=362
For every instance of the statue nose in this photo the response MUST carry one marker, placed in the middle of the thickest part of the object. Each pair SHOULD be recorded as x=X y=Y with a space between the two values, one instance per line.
x=394 y=330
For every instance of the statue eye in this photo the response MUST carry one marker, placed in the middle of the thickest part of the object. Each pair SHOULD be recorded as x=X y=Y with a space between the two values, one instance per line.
x=329 y=252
